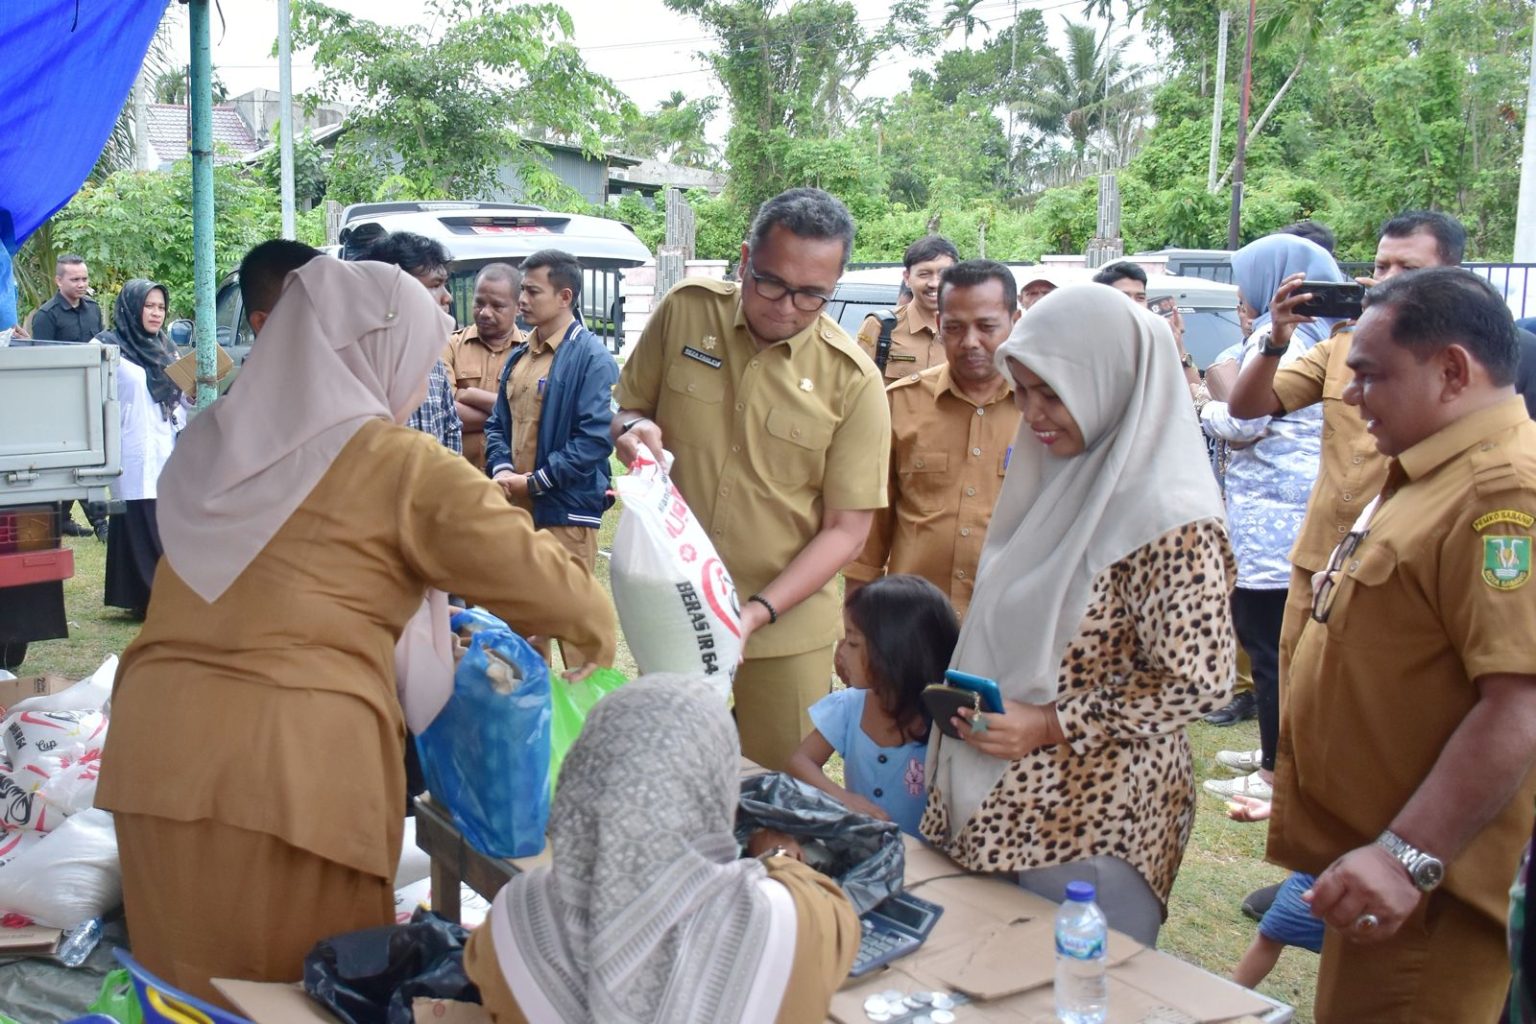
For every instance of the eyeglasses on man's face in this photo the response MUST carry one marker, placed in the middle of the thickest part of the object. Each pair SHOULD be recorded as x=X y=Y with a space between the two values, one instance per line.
x=771 y=289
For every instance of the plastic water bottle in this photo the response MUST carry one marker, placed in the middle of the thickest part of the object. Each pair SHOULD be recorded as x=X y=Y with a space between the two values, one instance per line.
x=1082 y=986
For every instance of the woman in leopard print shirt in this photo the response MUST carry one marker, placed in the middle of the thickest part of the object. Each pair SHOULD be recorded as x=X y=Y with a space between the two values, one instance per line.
x=1102 y=612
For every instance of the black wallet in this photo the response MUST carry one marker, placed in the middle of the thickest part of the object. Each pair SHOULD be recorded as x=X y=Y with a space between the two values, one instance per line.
x=943 y=700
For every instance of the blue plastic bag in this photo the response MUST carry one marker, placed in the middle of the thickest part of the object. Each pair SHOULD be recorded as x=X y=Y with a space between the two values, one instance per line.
x=486 y=755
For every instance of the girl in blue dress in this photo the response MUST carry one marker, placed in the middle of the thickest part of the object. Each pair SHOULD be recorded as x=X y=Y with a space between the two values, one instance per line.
x=899 y=633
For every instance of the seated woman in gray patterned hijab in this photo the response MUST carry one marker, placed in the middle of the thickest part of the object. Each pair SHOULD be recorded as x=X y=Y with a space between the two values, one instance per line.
x=648 y=912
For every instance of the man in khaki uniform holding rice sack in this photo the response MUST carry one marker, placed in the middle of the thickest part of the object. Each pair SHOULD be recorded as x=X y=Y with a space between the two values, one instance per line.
x=781 y=434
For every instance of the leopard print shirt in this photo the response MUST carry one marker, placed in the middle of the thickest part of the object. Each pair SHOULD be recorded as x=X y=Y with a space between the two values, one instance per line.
x=1155 y=652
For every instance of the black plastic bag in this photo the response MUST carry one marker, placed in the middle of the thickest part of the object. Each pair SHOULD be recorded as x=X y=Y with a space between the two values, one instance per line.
x=865 y=856
x=372 y=976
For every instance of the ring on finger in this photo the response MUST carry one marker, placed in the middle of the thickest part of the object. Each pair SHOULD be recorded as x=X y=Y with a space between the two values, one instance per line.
x=978 y=722
x=1366 y=923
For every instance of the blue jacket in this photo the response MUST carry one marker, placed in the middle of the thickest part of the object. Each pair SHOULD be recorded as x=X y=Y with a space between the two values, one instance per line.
x=569 y=485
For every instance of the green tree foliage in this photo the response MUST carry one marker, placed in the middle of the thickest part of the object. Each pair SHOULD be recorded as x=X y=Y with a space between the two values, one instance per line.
x=139 y=224
x=444 y=107
x=309 y=170
x=675 y=131
x=788 y=72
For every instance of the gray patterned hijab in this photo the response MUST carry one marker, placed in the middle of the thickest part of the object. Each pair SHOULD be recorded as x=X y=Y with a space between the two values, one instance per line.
x=648 y=913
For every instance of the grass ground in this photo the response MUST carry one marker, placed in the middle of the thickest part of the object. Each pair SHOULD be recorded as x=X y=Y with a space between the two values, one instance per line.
x=1223 y=863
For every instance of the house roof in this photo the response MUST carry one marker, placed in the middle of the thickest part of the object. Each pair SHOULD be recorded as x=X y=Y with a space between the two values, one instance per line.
x=169 y=128
x=658 y=174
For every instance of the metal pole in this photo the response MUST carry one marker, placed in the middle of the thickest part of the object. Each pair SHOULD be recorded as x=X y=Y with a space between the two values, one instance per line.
x=1242 y=134
x=1525 y=210
x=202 y=200
x=285 y=114
x=1221 y=92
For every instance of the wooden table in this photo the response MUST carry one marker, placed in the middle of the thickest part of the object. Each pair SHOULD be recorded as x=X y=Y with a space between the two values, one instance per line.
x=455 y=862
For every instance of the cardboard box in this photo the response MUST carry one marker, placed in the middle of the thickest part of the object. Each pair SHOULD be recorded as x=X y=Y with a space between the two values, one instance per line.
x=278 y=1003
x=29 y=940
x=184 y=370
x=13 y=691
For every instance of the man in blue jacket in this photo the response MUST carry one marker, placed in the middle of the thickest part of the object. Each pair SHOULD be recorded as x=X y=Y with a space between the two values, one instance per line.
x=547 y=442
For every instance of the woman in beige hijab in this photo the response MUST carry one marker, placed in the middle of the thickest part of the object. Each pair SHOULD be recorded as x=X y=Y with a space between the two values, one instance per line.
x=1101 y=609
x=254 y=757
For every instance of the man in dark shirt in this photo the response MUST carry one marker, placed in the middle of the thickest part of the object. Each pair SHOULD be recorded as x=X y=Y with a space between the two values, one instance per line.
x=71 y=315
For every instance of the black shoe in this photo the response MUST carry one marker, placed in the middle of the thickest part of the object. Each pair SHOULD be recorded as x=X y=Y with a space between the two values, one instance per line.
x=1258 y=902
x=1242 y=708
x=74 y=529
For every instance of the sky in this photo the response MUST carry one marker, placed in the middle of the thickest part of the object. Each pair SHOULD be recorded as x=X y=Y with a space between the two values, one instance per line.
x=646 y=49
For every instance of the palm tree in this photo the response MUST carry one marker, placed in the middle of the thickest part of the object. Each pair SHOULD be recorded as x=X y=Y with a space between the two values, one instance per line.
x=1086 y=89
x=963 y=14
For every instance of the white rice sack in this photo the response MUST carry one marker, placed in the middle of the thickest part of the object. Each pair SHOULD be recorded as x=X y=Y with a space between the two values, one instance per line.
x=67 y=877
x=90 y=693
x=22 y=808
x=15 y=843
x=72 y=788
x=675 y=598
x=40 y=742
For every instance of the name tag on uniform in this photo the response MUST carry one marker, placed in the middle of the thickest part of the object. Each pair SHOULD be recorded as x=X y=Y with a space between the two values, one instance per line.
x=901 y=357
x=713 y=362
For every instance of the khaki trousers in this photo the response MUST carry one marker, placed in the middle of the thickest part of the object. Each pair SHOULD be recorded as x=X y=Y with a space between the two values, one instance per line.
x=580 y=541
x=1448 y=964
x=773 y=696
x=207 y=900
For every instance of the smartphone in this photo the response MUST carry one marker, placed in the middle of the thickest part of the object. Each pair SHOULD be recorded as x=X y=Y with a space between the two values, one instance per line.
x=1332 y=299
x=991 y=696
x=1164 y=306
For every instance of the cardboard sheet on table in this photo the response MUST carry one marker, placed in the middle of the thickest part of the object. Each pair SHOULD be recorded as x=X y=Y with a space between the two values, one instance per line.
x=1006 y=959
x=1201 y=995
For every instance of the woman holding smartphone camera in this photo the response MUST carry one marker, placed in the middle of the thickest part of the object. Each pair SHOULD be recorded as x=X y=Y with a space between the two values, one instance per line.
x=1101 y=610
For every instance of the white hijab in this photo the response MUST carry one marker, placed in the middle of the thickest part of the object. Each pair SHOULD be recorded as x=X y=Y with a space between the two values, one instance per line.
x=1059 y=521
x=345 y=344
x=648 y=913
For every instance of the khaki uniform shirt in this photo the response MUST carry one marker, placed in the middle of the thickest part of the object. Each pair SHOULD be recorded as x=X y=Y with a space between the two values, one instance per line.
x=765 y=440
x=474 y=364
x=915 y=344
x=281 y=694
x=948 y=456
x=1437 y=594
x=526 y=387
x=1352 y=468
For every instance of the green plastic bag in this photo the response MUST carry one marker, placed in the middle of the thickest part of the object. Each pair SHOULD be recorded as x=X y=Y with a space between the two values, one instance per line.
x=117 y=999
x=570 y=704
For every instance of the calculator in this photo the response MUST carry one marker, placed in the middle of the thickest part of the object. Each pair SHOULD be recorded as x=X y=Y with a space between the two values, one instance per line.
x=893 y=929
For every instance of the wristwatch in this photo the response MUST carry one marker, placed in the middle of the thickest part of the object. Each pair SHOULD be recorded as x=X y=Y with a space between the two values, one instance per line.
x=1425 y=870
x=776 y=851
x=1276 y=351
x=1188 y=361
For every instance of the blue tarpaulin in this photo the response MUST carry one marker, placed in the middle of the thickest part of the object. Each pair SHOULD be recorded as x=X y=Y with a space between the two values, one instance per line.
x=69 y=66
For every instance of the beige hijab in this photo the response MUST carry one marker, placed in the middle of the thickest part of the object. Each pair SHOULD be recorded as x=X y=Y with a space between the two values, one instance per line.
x=346 y=343
x=1060 y=521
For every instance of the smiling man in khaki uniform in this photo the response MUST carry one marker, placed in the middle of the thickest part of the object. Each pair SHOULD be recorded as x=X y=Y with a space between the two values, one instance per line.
x=477 y=354
x=1409 y=725
x=915 y=342
x=952 y=427
x=781 y=434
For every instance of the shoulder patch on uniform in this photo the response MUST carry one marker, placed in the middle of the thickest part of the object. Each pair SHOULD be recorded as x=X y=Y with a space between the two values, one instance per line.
x=1506 y=562
x=712 y=284
x=901 y=382
x=1503 y=515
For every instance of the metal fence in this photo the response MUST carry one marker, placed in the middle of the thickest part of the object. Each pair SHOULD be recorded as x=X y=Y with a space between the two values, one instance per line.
x=601 y=304
x=1512 y=280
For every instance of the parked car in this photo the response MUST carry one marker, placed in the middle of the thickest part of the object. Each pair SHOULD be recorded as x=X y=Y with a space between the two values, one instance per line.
x=1208 y=307
x=476 y=234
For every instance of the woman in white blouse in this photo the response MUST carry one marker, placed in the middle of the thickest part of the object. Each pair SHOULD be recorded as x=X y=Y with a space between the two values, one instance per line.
x=152 y=414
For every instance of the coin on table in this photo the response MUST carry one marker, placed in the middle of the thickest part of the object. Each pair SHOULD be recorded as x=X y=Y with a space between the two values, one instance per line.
x=876 y=1004
x=922 y=998
x=892 y=997
x=921 y=1018
x=878 y=1018
x=943 y=1017
x=943 y=1001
